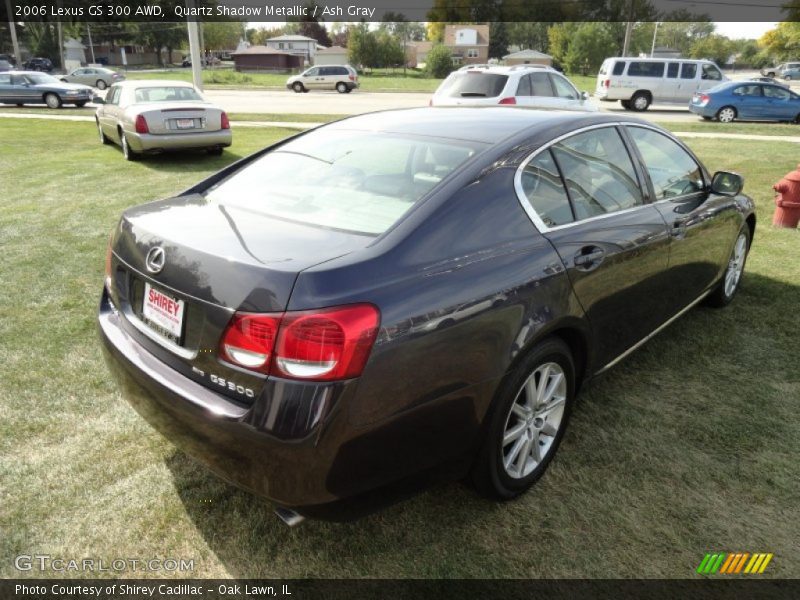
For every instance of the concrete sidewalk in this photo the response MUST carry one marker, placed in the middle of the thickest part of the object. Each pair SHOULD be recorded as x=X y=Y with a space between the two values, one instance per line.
x=299 y=125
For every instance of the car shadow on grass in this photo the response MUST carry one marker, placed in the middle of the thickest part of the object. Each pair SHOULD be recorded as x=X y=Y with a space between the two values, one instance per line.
x=190 y=161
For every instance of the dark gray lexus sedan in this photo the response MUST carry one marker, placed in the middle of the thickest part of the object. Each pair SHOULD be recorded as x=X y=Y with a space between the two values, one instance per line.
x=410 y=295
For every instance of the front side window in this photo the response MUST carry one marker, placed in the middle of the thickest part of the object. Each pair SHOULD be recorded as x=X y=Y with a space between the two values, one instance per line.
x=771 y=91
x=311 y=72
x=350 y=180
x=544 y=190
x=563 y=88
x=672 y=169
x=711 y=73
x=598 y=172
x=646 y=69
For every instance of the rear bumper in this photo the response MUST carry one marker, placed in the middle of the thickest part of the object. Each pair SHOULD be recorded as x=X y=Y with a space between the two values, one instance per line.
x=148 y=142
x=703 y=111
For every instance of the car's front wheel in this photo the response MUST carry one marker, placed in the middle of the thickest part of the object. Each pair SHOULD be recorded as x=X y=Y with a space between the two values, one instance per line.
x=527 y=421
x=52 y=100
x=298 y=87
x=727 y=288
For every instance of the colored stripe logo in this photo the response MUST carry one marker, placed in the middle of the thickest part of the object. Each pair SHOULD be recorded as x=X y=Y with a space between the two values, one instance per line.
x=734 y=563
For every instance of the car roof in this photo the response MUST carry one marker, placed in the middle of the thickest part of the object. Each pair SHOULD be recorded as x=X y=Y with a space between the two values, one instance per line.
x=505 y=69
x=480 y=124
x=141 y=83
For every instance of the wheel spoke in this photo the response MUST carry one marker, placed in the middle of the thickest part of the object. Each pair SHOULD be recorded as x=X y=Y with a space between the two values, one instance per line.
x=519 y=411
x=535 y=449
x=541 y=389
x=513 y=433
x=549 y=429
x=555 y=402
x=522 y=459
x=514 y=453
x=555 y=381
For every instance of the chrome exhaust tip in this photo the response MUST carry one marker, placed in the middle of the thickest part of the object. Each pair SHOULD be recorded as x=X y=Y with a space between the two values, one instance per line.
x=288 y=516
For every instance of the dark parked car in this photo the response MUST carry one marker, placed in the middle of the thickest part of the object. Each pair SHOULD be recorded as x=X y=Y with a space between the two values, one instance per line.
x=410 y=295
x=20 y=87
x=747 y=100
x=38 y=64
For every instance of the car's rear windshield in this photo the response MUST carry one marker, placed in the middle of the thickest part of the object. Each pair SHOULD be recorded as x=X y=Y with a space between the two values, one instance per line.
x=166 y=94
x=355 y=181
x=474 y=84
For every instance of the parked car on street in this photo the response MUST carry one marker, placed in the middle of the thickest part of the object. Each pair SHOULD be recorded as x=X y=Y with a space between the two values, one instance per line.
x=524 y=86
x=158 y=116
x=28 y=87
x=342 y=78
x=780 y=70
x=98 y=77
x=639 y=82
x=38 y=64
x=749 y=101
x=5 y=66
x=271 y=320
x=9 y=58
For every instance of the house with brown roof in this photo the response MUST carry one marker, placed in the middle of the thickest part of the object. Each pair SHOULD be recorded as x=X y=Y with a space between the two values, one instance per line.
x=263 y=58
x=469 y=43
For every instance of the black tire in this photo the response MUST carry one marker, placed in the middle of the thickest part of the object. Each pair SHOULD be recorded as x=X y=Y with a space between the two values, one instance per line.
x=726 y=114
x=20 y=104
x=640 y=101
x=723 y=294
x=127 y=152
x=771 y=74
x=341 y=87
x=214 y=151
x=52 y=100
x=80 y=104
x=103 y=137
x=626 y=104
x=298 y=87
x=100 y=84
x=788 y=78
x=489 y=474
x=706 y=118
x=349 y=89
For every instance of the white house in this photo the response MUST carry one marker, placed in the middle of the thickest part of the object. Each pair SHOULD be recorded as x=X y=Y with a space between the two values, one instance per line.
x=299 y=45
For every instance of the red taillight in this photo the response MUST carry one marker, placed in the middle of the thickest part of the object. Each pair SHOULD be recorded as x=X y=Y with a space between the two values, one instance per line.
x=141 y=125
x=224 y=122
x=352 y=77
x=705 y=98
x=320 y=345
x=607 y=83
x=250 y=339
x=510 y=100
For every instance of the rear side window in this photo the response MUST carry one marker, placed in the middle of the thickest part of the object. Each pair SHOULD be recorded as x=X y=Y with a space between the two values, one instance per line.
x=747 y=90
x=350 y=180
x=524 y=87
x=544 y=190
x=688 y=70
x=540 y=84
x=646 y=69
x=598 y=172
x=619 y=68
x=672 y=170
x=672 y=70
x=475 y=84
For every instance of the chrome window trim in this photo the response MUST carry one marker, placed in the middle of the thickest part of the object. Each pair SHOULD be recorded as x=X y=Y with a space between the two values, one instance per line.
x=528 y=207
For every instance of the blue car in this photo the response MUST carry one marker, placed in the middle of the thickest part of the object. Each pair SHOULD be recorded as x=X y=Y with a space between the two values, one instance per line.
x=747 y=100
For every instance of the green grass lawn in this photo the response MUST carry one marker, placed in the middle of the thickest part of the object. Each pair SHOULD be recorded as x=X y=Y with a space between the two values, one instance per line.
x=688 y=446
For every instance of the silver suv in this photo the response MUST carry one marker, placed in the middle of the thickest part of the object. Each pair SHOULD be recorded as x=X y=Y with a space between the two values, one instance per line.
x=529 y=86
x=342 y=78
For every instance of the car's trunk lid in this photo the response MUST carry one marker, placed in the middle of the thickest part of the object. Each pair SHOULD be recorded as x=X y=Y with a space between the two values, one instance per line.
x=176 y=118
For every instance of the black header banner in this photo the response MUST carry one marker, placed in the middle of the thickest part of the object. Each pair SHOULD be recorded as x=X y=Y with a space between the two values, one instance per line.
x=395 y=10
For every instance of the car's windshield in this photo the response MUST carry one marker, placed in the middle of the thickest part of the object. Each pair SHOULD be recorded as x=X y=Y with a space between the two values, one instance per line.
x=166 y=94
x=350 y=180
x=40 y=78
x=474 y=84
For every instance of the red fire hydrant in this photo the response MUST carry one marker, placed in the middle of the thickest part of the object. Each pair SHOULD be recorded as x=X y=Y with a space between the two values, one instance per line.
x=787 y=201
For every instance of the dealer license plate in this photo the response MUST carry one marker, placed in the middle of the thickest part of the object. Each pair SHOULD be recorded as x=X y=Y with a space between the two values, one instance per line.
x=184 y=123
x=163 y=313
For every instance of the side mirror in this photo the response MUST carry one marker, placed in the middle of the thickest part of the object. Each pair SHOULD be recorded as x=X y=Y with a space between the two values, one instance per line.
x=98 y=100
x=584 y=95
x=726 y=183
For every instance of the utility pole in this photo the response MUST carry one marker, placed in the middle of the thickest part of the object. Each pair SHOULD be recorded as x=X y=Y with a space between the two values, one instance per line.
x=91 y=45
x=12 y=27
x=628 y=30
x=60 y=40
x=653 y=48
x=194 y=47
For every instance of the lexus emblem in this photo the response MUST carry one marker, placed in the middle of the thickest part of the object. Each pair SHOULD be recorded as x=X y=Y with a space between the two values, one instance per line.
x=155 y=259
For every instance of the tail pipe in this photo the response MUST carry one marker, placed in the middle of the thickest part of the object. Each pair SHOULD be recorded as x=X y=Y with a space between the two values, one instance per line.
x=288 y=516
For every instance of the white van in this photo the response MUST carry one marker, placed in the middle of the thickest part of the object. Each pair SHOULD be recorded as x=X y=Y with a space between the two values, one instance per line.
x=638 y=82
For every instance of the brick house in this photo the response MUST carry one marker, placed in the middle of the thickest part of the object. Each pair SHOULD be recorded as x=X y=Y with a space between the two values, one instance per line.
x=469 y=43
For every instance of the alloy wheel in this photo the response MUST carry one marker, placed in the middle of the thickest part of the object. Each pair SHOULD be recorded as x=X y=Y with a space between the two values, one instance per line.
x=726 y=115
x=735 y=265
x=534 y=420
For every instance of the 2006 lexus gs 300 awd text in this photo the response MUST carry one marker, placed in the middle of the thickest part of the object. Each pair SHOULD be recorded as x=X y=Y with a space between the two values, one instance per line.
x=410 y=295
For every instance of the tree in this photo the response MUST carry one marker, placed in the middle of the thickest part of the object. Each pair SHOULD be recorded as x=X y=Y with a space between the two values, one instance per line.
x=589 y=46
x=310 y=26
x=714 y=47
x=783 y=42
x=559 y=37
x=498 y=39
x=362 y=47
x=222 y=35
x=439 y=62
x=531 y=36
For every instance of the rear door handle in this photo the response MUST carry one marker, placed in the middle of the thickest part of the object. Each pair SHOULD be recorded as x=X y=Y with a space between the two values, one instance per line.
x=589 y=257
